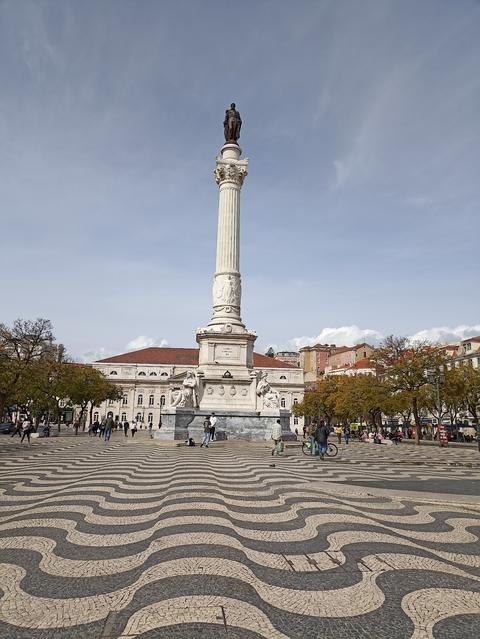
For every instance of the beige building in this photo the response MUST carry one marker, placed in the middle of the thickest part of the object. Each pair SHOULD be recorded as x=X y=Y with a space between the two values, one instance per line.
x=325 y=359
x=346 y=356
x=465 y=352
x=152 y=377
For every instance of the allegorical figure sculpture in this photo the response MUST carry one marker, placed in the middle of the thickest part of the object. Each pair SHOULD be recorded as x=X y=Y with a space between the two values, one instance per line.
x=271 y=397
x=187 y=397
x=232 y=125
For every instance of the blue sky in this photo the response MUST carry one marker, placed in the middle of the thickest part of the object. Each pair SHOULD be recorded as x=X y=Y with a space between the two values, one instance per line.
x=360 y=214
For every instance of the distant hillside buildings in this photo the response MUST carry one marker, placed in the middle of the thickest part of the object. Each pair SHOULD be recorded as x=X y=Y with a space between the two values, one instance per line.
x=329 y=359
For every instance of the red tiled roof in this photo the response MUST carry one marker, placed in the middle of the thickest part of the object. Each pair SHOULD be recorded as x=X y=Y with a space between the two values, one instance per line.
x=342 y=349
x=364 y=363
x=181 y=357
x=471 y=339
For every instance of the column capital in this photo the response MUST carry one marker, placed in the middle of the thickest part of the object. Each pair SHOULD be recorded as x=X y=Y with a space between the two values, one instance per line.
x=230 y=171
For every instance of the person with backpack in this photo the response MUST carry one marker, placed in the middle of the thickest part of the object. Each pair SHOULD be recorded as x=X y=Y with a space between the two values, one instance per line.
x=126 y=426
x=134 y=429
x=346 y=434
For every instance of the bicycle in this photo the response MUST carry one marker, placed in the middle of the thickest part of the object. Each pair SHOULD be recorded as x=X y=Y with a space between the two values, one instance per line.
x=307 y=449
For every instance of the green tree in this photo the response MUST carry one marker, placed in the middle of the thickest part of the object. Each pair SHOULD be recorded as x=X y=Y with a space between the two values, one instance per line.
x=320 y=403
x=471 y=378
x=90 y=387
x=22 y=346
x=405 y=367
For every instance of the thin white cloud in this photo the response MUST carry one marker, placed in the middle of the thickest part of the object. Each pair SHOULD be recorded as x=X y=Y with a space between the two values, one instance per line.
x=95 y=355
x=443 y=334
x=351 y=335
x=341 y=336
x=142 y=341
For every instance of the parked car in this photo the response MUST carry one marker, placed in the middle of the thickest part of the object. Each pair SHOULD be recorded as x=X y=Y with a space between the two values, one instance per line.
x=7 y=428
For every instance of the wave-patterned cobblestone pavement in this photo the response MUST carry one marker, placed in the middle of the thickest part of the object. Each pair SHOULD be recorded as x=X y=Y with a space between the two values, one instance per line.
x=138 y=540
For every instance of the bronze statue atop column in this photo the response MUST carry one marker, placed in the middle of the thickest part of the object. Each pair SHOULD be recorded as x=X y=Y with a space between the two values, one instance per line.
x=232 y=125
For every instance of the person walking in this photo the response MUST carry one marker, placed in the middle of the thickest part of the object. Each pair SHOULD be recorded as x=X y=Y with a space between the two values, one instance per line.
x=126 y=426
x=76 y=426
x=206 y=433
x=107 y=433
x=26 y=430
x=321 y=437
x=213 y=423
x=311 y=436
x=276 y=435
x=133 y=429
x=18 y=429
x=150 y=429
x=346 y=434
x=338 y=432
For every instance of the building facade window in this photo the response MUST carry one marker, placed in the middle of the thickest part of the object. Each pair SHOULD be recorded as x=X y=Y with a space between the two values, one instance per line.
x=110 y=402
x=282 y=402
x=295 y=401
x=95 y=417
x=282 y=377
x=153 y=374
x=151 y=400
x=140 y=400
x=150 y=418
x=139 y=417
x=164 y=375
x=141 y=374
x=162 y=400
x=295 y=421
x=113 y=373
x=125 y=400
x=123 y=418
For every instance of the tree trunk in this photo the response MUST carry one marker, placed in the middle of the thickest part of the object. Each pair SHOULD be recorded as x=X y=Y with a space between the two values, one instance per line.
x=3 y=401
x=417 y=420
x=91 y=414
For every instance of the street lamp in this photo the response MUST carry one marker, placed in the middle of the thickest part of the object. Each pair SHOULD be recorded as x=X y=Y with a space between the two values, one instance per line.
x=436 y=377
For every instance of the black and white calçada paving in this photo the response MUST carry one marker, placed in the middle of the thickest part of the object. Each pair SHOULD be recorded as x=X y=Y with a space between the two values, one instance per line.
x=134 y=539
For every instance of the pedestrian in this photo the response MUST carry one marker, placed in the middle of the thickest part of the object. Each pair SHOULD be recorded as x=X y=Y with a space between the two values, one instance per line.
x=206 y=433
x=26 y=430
x=117 y=423
x=346 y=434
x=18 y=429
x=107 y=431
x=46 y=430
x=311 y=436
x=213 y=423
x=133 y=429
x=338 y=431
x=276 y=435
x=321 y=437
x=126 y=426
x=150 y=429
x=76 y=426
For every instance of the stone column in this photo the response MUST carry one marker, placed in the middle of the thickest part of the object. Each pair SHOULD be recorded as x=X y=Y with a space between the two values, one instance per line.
x=230 y=172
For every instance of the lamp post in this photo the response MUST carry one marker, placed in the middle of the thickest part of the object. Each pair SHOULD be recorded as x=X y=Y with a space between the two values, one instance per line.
x=437 y=378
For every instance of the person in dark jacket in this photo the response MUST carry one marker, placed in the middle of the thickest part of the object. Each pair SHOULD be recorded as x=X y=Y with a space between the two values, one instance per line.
x=321 y=437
